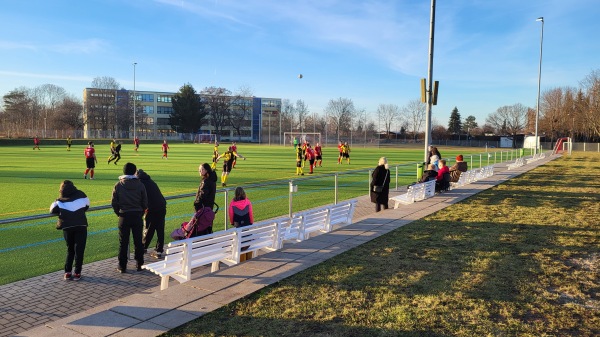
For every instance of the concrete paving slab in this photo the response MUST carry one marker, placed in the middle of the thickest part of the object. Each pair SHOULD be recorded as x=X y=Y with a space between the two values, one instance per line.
x=102 y=323
x=143 y=329
x=173 y=318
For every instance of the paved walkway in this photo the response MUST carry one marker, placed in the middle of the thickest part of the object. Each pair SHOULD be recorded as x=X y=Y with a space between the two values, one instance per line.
x=105 y=303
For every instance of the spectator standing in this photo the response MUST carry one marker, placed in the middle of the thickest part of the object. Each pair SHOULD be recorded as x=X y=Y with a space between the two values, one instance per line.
x=433 y=151
x=380 y=185
x=90 y=160
x=205 y=196
x=129 y=201
x=69 y=143
x=155 y=214
x=71 y=206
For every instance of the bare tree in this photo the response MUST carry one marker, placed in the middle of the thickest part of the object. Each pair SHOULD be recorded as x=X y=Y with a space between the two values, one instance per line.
x=287 y=114
x=302 y=112
x=591 y=88
x=339 y=113
x=414 y=114
x=218 y=103
x=388 y=114
x=18 y=111
x=241 y=109
x=69 y=114
x=512 y=119
x=101 y=103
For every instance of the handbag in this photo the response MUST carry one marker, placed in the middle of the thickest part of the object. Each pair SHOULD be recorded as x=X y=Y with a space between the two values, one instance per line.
x=378 y=188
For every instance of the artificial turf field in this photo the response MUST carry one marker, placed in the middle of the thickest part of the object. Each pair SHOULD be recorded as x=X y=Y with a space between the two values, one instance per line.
x=30 y=180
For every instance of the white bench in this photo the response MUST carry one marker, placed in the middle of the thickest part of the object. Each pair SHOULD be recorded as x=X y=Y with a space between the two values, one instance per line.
x=227 y=246
x=518 y=163
x=428 y=192
x=416 y=192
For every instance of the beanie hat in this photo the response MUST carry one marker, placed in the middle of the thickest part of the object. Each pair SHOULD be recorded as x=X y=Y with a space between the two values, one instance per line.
x=459 y=157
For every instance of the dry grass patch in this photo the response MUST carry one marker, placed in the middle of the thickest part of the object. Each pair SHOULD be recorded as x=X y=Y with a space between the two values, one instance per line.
x=520 y=259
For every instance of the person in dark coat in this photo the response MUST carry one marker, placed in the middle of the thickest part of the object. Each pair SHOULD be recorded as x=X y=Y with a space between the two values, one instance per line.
x=71 y=206
x=380 y=177
x=155 y=214
x=458 y=168
x=429 y=174
x=129 y=202
x=205 y=196
x=433 y=151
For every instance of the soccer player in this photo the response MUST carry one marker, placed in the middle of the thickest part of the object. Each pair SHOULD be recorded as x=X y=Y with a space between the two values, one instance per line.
x=299 y=157
x=69 y=142
x=165 y=148
x=136 y=143
x=228 y=158
x=340 y=144
x=215 y=155
x=234 y=149
x=318 y=153
x=36 y=143
x=90 y=160
x=346 y=152
x=116 y=154
x=310 y=154
x=112 y=151
x=303 y=148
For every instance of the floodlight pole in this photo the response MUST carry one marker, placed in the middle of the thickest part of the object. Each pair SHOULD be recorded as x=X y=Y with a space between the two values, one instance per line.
x=537 y=112
x=134 y=100
x=429 y=94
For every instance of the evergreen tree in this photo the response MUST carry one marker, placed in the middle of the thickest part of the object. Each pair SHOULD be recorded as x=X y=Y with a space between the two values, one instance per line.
x=188 y=111
x=469 y=124
x=454 y=124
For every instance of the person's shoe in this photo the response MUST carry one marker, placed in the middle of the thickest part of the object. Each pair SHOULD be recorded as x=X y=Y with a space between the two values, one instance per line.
x=67 y=276
x=91 y=178
x=138 y=267
x=301 y=174
x=76 y=277
x=121 y=270
x=108 y=162
x=115 y=163
x=156 y=254
x=85 y=176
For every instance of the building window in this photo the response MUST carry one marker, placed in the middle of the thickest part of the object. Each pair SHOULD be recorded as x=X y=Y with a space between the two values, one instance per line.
x=164 y=98
x=164 y=110
x=163 y=121
x=148 y=110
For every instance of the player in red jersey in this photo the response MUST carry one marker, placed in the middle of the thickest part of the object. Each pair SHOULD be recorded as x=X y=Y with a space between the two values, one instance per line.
x=36 y=143
x=234 y=149
x=310 y=156
x=90 y=160
x=340 y=144
x=165 y=147
x=318 y=155
x=136 y=143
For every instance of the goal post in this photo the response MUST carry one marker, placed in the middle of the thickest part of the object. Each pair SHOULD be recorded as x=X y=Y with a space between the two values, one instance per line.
x=201 y=138
x=311 y=137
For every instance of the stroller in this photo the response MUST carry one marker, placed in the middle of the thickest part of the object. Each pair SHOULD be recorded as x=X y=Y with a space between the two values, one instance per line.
x=200 y=224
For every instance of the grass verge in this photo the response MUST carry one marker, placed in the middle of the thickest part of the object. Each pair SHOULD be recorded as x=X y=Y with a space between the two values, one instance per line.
x=520 y=259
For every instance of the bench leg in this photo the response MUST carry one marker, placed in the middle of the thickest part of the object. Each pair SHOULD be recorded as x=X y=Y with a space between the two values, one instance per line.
x=215 y=266
x=164 y=282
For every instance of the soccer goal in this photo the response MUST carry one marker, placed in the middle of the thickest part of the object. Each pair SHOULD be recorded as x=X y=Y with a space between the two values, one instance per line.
x=301 y=137
x=200 y=138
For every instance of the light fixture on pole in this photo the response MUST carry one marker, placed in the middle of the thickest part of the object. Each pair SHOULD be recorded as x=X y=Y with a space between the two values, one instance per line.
x=134 y=100
x=537 y=112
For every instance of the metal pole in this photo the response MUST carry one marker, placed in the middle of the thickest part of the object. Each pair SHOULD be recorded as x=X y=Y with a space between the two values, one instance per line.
x=134 y=100
x=226 y=210
x=335 y=198
x=537 y=112
x=290 y=198
x=396 y=178
x=370 y=177
x=429 y=82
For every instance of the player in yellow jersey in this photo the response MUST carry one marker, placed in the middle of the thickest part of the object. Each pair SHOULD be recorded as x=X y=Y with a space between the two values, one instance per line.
x=346 y=152
x=299 y=159
x=228 y=158
x=215 y=155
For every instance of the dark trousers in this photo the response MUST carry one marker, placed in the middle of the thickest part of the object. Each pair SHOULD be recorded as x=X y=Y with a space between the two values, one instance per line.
x=131 y=221
x=378 y=206
x=155 y=221
x=75 y=238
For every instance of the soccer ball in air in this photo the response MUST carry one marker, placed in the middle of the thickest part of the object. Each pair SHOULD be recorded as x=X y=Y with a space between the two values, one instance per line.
x=300 y=76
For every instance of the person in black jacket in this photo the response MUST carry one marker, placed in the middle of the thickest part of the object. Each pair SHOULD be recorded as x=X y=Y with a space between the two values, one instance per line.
x=205 y=196
x=70 y=207
x=155 y=214
x=129 y=201
x=380 y=181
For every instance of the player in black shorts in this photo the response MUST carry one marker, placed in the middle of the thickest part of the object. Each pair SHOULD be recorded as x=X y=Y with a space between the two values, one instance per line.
x=228 y=158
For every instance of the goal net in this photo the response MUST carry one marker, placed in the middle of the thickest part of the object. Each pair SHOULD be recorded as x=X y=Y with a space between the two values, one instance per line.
x=301 y=137
x=205 y=138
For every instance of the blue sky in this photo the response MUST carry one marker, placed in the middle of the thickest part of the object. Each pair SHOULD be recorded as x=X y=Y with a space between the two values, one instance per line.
x=373 y=52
